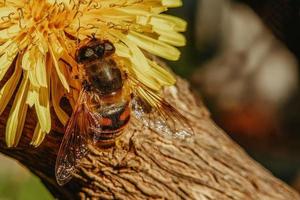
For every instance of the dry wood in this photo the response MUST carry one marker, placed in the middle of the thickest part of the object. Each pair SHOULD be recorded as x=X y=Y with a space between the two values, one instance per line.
x=145 y=165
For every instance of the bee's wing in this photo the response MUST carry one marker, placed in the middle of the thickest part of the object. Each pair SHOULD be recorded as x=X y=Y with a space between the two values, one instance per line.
x=74 y=145
x=157 y=114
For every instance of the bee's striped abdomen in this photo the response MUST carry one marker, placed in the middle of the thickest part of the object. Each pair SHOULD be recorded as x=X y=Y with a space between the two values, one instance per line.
x=114 y=119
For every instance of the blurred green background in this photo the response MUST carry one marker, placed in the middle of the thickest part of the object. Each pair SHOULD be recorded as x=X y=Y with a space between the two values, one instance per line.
x=17 y=183
x=247 y=78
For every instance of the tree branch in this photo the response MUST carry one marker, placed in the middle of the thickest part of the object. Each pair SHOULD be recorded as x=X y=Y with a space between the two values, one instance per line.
x=145 y=165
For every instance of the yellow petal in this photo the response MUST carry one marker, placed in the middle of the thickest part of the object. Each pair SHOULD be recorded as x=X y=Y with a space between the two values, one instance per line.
x=164 y=21
x=42 y=108
x=16 y=3
x=56 y=96
x=31 y=96
x=171 y=37
x=172 y=3
x=40 y=70
x=32 y=78
x=17 y=115
x=9 y=87
x=5 y=45
x=122 y=50
x=58 y=70
x=42 y=44
x=148 y=72
x=27 y=61
x=55 y=45
x=154 y=46
x=164 y=77
x=159 y=9
x=5 y=12
x=135 y=11
x=38 y=136
x=140 y=65
x=39 y=97
x=10 y=32
x=7 y=59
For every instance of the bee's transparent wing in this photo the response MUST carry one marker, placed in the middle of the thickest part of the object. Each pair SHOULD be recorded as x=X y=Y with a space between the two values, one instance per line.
x=157 y=114
x=74 y=145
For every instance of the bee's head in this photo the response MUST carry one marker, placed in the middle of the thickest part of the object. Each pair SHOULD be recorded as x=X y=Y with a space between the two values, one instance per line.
x=93 y=50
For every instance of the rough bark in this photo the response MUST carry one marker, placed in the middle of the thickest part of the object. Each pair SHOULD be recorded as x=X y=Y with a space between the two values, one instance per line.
x=146 y=165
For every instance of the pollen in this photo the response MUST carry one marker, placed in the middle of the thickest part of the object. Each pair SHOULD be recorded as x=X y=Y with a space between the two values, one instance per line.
x=38 y=40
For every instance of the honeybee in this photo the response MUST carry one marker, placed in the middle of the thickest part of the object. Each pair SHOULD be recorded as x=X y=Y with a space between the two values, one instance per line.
x=108 y=99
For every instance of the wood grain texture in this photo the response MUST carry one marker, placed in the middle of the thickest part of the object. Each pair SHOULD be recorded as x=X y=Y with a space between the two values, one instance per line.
x=145 y=165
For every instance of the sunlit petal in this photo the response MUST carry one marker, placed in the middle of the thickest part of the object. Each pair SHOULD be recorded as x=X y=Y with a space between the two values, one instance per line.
x=17 y=116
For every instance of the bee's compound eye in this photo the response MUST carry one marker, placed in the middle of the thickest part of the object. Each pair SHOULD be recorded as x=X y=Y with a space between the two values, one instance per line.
x=99 y=50
x=88 y=52
x=109 y=48
x=84 y=54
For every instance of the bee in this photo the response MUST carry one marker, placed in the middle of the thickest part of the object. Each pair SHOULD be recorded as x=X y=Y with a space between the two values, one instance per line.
x=109 y=98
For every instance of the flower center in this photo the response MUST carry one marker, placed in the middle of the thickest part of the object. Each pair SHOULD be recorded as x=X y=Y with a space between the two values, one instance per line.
x=44 y=16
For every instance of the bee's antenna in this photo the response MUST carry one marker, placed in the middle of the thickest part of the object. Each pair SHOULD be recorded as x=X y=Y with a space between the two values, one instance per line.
x=92 y=36
x=97 y=29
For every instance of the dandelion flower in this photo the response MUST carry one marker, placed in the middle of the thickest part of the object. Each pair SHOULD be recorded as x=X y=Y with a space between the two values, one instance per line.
x=38 y=39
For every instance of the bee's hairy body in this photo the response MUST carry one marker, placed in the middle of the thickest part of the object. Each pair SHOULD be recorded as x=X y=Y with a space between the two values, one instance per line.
x=105 y=81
